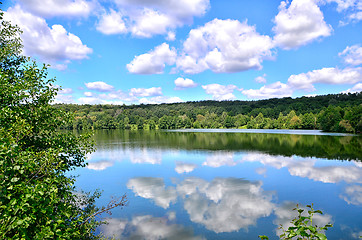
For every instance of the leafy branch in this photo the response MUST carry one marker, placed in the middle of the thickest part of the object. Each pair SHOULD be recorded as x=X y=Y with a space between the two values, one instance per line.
x=303 y=228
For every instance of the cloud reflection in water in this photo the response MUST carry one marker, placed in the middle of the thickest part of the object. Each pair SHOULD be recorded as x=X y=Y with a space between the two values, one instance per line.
x=153 y=188
x=222 y=205
x=306 y=168
x=147 y=227
x=182 y=167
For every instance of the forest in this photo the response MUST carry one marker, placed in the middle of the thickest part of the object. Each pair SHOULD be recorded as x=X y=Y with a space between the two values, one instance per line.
x=331 y=113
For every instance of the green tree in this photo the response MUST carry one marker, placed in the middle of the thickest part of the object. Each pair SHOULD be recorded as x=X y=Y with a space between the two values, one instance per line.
x=37 y=197
x=330 y=118
x=308 y=121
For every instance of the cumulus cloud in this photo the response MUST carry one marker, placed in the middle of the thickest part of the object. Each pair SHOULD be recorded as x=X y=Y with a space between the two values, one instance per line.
x=352 y=55
x=63 y=95
x=117 y=95
x=111 y=23
x=274 y=90
x=225 y=204
x=299 y=23
x=88 y=94
x=171 y=36
x=53 y=45
x=261 y=79
x=150 y=22
x=224 y=46
x=354 y=89
x=63 y=98
x=153 y=62
x=65 y=91
x=160 y=99
x=99 y=86
x=155 y=17
x=153 y=188
x=352 y=9
x=220 y=92
x=353 y=195
x=146 y=227
x=182 y=83
x=98 y=99
x=146 y=92
x=151 y=95
x=182 y=167
x=52 y=8
x=327 y=76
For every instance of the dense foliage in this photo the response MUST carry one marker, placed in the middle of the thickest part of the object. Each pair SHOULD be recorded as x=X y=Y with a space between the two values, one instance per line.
x=37 y=197
x=335 y=113
x=302 y=227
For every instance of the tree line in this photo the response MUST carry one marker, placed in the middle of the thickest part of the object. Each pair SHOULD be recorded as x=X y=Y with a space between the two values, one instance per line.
x=332 y=113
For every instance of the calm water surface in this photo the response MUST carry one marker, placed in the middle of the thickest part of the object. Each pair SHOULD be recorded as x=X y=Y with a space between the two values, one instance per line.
x=225 y=184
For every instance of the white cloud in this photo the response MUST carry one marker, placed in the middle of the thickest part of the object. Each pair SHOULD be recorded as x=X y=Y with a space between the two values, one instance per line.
x=111 y=23
x=90 y=100
x=353 y=195
x=146 y=92
x=61 y=98
x=352 y=55
x=153 y=188
x=158 y=17
x=343 y=5
x=327 y=76
x=182 y=167
x=153 y=62
x=220 y=159
x=99 y=86
x=182 y=83
x=224 y=46
x=88 y=94
x=65 y=91
x=171 y=36
x=150 y=22
x=160 y=99
x=220 y=92
x=261 y=79
x=352 y=9
x=118 y=95
x=354 y=89
x=52 y=45
x=274 y=90
x=299 y=24
x=52 y=8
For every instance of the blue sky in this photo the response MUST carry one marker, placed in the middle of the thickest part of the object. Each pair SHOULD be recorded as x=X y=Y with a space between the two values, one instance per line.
x=160 y=51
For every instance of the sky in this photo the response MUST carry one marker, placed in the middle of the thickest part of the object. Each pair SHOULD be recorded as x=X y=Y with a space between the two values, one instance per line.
x=165 y=51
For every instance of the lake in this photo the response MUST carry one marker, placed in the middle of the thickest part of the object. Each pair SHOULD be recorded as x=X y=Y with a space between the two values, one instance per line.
x=225 y=184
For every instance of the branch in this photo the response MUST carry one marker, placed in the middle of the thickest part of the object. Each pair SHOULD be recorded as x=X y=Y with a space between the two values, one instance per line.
x=112 y=204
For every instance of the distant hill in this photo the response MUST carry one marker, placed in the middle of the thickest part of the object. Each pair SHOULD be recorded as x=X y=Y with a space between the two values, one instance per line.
x=327 y=110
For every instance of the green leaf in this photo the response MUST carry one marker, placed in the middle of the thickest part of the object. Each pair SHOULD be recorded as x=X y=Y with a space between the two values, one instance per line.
x=14 y=179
